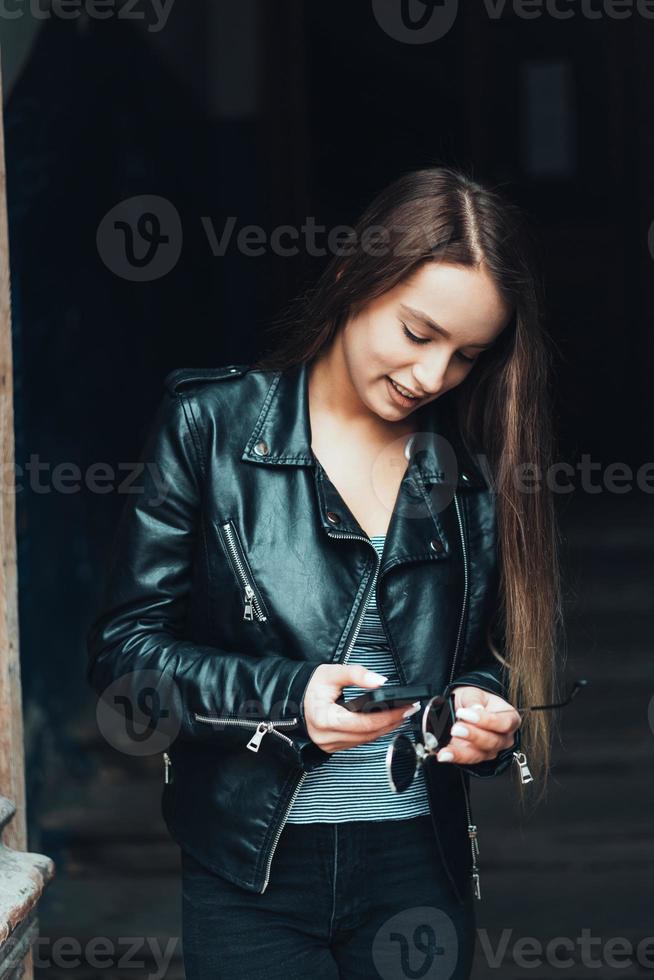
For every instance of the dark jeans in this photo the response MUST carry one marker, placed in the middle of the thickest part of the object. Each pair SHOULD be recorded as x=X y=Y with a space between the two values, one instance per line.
x=356 y=901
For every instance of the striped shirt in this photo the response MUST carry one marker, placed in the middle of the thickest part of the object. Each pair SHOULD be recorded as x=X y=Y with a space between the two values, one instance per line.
x=352 y=784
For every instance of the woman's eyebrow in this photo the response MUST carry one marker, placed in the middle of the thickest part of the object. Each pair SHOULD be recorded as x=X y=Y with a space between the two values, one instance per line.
x=428 y=322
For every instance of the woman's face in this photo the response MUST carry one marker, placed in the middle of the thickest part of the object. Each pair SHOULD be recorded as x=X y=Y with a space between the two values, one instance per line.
x=392 y=339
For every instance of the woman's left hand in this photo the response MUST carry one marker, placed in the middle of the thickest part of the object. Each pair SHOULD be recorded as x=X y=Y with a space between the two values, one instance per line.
x=479 y=733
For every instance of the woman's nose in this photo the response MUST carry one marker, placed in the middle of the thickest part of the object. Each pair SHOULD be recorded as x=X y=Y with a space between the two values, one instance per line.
x=430 y=377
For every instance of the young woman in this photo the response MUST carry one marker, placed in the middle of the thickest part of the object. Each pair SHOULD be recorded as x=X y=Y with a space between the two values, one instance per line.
x=350 y=511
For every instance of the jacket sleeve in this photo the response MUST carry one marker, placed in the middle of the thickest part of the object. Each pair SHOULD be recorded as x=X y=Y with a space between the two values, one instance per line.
x=139 y=641
x=489 y=675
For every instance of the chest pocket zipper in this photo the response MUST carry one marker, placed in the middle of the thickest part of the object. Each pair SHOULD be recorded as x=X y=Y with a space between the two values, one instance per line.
x=253 y=604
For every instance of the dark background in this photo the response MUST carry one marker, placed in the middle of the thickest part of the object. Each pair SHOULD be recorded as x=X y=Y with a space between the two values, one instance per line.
x=270 y=114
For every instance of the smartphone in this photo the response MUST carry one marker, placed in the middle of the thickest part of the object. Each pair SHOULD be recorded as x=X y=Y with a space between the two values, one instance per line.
x=387 y=696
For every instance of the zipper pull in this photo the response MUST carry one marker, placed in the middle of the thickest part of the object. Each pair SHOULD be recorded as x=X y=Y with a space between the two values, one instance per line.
x=521 y=760
x=167 y=766
x=474 y=840
x=248 y=612
x=255 y=741
x=474 y=847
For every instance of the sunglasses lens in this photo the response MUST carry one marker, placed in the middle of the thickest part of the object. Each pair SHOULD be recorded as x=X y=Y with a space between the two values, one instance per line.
x=439 y=719
x=402 y=760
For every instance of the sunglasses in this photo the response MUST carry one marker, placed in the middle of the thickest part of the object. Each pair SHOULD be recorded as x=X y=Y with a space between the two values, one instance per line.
x=404 y=756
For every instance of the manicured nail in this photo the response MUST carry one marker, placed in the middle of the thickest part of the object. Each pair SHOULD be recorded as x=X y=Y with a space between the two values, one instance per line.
x=445 y=756
x=411 y=711
x=469 y=714
x=374 y=678
x=460 y=730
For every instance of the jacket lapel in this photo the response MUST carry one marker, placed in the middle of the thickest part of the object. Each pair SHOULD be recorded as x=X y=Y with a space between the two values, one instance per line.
x=423 y=525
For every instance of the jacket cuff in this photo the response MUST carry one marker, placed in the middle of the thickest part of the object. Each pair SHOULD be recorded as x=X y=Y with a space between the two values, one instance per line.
x=310 y=755
x=496 y=766
x=489 y=767
x=487 y=680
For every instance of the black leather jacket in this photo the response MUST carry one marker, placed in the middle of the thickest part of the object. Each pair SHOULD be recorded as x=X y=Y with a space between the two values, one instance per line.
x=250 y=571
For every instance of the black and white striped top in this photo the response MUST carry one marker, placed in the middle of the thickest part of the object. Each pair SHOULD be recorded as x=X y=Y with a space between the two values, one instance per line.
x=352 y=784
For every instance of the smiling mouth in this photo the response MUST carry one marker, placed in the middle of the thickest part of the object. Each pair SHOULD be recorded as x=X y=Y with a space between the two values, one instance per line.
x=403 y=393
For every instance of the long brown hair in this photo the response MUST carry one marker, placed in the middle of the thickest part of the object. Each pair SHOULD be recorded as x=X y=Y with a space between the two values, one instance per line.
x=502 y=408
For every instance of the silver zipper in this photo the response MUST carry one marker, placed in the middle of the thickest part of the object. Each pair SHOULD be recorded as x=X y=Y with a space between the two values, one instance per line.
x=262 y=727
x=465 y=588
x=348 y=651
x=167 y=767
x=472 y=827
x=521 y=760
x=278 y=832
x=519 y=757
x=474 y=845
x=251 y=604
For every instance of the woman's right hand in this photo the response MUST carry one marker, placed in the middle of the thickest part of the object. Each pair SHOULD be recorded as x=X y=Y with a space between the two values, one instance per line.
x=333 y=727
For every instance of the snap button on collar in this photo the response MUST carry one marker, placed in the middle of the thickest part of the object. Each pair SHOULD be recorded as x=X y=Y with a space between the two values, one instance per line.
x=436 y=545
x=333 y=517
x=261 y=448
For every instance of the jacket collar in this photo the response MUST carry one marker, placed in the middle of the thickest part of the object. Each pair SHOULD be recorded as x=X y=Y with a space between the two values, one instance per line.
x=282 y=432
x=282 y=435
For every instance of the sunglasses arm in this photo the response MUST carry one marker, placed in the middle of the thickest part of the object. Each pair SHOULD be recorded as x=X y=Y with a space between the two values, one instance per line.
x=578 y=685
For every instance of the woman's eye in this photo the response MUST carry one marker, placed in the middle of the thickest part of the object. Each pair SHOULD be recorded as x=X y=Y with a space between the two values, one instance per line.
x=425 y=340
x=412 y=337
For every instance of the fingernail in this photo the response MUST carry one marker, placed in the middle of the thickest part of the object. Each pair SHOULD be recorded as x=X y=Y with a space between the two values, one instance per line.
x=411 y=711
x=469 y=714
x=460 y=730
x=445 y=756
x=374 y=678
